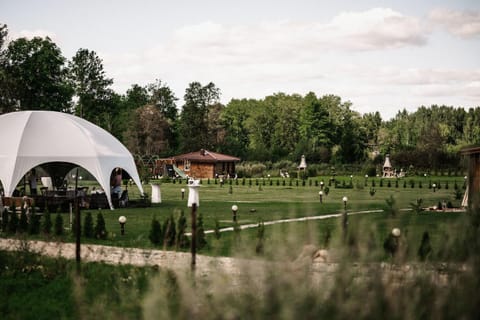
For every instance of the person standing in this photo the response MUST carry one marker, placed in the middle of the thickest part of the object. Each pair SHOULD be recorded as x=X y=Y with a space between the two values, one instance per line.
x=116 y=182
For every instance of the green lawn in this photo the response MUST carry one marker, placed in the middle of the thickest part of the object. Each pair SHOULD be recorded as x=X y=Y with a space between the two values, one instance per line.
x=257 y=201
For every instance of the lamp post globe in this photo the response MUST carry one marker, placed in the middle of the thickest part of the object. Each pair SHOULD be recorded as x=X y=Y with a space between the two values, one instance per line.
x=396 y=232
x=122 y=220
x=320 y=194
x=234 y=212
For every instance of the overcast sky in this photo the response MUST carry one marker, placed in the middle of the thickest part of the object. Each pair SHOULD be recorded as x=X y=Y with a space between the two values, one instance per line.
x=380 y=55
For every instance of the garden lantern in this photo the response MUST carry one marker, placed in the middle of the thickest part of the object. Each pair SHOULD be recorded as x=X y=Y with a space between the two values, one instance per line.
x=183 y=193
x=234 y=212
x=320 y=194
x=345 y=200
x=321 y=185
x=193 y=196
x=122 y=220
x=434 y=187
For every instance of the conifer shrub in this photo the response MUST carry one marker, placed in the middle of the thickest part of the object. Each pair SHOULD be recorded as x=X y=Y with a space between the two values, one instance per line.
x=425 y=248
x=47 y=222
x=200 y=233
x=155 y=235
x=100 y=229
x=169 y=231
x=23 y=222
x=13 y=221
x=182 y=240
x=58 y=225
x=5 y=218
x=88 y=229
x=216 y=230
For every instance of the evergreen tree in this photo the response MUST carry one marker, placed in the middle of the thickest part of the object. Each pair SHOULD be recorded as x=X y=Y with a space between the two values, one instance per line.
x=201 y=242
x=34 y=226
x=5 y=218
x=100 y=229
x=216 y=230
x=425 y=248
x=155 y=234
x=23 y=223
x=47 y=222
x=58 y=224
x=260 y=238
x=182 y=240
x=13 y=221
x=169 y=232
x=88 y=231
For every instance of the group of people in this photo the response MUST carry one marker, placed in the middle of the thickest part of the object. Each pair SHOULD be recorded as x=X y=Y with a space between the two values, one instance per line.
x=115 y=182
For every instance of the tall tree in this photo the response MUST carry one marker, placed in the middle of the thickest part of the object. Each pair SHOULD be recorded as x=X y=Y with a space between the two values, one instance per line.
x=147 y=135
x=36 y=76
x=91 y=87
x=163 y=98
x=6 y=102
x=193 y=123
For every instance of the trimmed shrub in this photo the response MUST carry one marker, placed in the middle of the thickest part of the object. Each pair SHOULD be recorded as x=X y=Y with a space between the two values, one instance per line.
x=100 y=229
x=88 y=231
x=47 y=222
x=155 y=234
x=58 y=225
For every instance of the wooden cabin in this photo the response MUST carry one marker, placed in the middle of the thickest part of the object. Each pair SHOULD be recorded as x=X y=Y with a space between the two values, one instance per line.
x=201 y=164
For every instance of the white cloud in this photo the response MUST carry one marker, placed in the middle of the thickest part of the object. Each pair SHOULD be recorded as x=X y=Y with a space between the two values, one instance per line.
x=30 y=34
x=464 y=24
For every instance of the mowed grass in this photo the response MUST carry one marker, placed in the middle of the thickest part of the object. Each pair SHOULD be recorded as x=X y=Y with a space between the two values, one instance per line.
x=267 y=202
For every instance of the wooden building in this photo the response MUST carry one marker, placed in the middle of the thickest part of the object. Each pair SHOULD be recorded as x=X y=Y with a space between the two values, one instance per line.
x=201 y=164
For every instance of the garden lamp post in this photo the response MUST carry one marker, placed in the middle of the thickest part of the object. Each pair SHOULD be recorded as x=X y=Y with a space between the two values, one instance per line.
x=321 y=185
x=345 y=216
x=345 y=200
x=183 y=193
x=234 y=212
x=366 y=179
x=320 y=194
x=396 y=232
x=122 y=220
x=434 y=186
x=194 y=203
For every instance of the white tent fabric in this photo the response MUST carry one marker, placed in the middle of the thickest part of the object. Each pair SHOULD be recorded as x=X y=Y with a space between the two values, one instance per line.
x=32 y=138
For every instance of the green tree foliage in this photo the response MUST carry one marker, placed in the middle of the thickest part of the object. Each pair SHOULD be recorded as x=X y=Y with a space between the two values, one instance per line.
x=35 y=76
x=193 y=127
x=90 y=84
x=148 y=133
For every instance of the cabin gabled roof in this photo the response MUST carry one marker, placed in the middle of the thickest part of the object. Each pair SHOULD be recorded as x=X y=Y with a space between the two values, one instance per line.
x=205 y=156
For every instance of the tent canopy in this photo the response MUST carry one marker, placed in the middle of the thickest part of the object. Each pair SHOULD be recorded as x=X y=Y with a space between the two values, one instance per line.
x=41 y=138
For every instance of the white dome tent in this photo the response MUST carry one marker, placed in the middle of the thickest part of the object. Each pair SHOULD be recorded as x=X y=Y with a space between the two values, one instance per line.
x=54 y=139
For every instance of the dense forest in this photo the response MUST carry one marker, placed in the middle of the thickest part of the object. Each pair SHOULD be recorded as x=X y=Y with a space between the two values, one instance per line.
x=34 y=75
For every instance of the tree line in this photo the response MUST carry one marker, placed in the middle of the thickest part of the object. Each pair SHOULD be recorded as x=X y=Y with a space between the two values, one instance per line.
x=34 y=75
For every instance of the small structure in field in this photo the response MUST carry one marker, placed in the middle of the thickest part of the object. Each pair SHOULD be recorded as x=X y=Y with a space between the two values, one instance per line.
x=388 y=170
